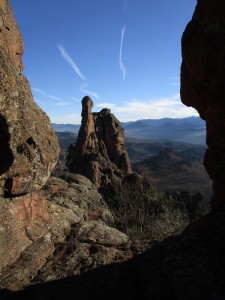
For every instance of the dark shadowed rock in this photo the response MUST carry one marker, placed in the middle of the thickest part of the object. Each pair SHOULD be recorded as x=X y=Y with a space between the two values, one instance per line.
x=203 y=83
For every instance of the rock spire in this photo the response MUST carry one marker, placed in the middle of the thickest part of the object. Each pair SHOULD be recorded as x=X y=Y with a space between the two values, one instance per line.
x=99 y=152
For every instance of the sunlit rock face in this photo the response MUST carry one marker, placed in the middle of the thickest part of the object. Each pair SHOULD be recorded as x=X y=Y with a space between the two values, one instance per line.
x=203 y=83
x=99 y=152
x=29 y=149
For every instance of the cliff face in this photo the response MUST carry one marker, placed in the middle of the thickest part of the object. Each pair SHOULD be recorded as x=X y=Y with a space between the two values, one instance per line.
x=11 y=40
x=203 y=83
x=28 y=152
x=29 y=149
x=99 y=152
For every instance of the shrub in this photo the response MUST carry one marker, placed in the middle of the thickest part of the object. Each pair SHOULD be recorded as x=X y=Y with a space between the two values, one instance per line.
x=148 y=214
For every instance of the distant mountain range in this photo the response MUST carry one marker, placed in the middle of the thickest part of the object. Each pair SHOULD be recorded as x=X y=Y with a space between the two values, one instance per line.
x=191 y=130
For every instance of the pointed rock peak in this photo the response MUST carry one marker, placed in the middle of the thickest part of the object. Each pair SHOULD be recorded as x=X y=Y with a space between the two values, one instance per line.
x=87 y=104
x=99 y=147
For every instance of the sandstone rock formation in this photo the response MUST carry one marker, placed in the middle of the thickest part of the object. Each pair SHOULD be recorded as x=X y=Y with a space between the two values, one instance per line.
x=99 y=152
x=203 y=83
x=29 y=149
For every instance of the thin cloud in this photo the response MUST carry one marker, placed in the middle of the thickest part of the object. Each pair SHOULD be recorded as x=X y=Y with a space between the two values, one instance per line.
x=106 y=105
x=136 y=109
x=83 y=88
x=70 y=61
x=122 y=68
x=76 y=99
x=60 y=101
x=66 y=119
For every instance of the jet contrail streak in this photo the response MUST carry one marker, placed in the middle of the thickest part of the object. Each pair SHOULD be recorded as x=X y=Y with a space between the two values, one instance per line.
x=122 y=68
x=70 y=61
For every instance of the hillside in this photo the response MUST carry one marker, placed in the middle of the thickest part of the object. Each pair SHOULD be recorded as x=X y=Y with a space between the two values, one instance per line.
x=177 y=169
x=169 y=166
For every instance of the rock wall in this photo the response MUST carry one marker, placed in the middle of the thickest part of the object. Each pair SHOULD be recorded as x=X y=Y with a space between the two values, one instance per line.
x=203 y=83
x=29 y=149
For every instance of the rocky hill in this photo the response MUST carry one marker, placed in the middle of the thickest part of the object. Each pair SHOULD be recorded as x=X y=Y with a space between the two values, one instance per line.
x=175 y=170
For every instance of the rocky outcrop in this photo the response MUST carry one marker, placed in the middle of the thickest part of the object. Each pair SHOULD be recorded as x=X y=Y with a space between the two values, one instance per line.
x=78 y=235
x=28 y=152
x=100 y=155
x=203 y=82
x=99 y=152
x=29 y=149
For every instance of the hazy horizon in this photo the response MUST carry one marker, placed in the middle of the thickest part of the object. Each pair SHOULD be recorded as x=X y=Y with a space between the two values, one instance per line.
x=135 y=120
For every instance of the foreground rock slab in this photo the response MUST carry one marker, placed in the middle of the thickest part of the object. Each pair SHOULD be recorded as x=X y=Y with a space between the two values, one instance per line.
x=72 y=233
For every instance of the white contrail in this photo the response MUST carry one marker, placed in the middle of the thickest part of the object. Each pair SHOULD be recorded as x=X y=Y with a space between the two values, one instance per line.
x=122 y=68
x=59 y=100
x=83 y=88
x=70 y=61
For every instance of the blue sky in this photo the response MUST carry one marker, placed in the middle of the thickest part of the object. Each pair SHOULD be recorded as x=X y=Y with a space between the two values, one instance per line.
x=124 y=54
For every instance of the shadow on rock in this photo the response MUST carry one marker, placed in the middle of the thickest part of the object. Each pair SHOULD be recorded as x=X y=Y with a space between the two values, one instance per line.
x=114 y=281
x=189 y=266
x=6 y=155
